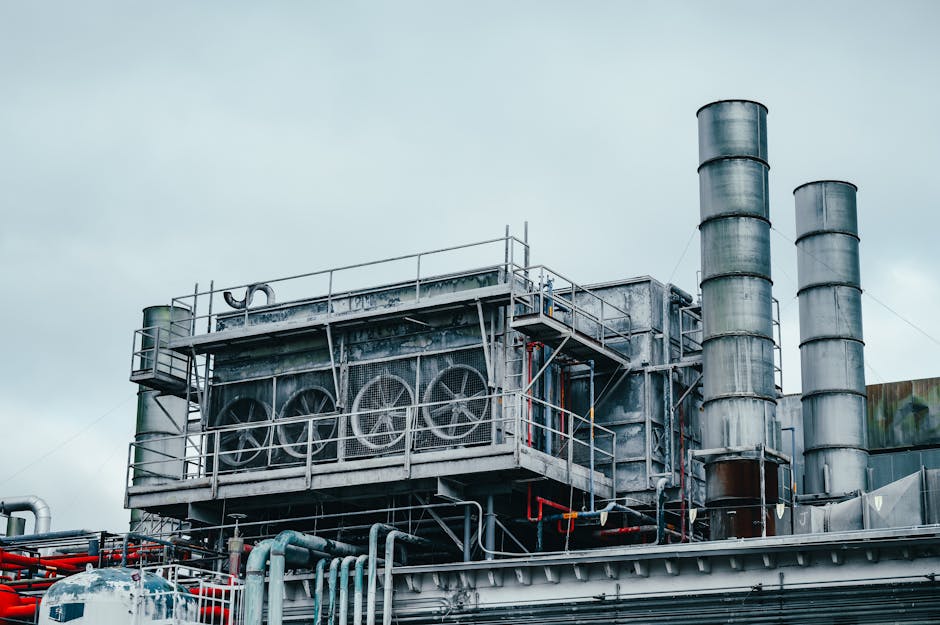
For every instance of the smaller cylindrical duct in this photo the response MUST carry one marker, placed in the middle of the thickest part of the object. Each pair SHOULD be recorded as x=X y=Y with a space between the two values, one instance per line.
x=160 y=444
x=831 y=341
x=16 y=526
x=161 y=324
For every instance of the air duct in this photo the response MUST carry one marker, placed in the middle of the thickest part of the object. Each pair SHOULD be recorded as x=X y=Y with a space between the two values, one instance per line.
x=32 y=503
x=831 y=348
x=739 y=394
x=159 y=440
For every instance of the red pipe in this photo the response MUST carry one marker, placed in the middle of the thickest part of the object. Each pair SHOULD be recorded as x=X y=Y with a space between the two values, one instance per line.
x=214 y=614
x=14 y=561
x=15 y=606
x=211 y=592
x=74 y=563
x=551 y=504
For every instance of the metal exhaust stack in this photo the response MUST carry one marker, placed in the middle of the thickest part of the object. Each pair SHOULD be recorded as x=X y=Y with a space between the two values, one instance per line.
x=739 y=402
x=831 y=347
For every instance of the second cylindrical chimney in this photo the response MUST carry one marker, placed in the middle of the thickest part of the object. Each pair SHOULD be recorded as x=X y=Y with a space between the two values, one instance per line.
x=831 y=348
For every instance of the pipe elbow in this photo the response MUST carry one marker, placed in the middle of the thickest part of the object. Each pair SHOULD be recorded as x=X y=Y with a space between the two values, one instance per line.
x=250 y=290
x=258 y=557
x=31 y=503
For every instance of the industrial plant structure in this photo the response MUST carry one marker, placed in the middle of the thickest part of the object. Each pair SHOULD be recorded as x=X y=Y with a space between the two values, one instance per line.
x=464 y=436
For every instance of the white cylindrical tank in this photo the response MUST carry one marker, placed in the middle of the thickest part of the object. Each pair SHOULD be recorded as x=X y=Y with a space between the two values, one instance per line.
x=116 y=596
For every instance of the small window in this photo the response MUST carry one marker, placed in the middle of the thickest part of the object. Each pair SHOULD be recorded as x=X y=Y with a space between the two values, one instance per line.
x=66 y=612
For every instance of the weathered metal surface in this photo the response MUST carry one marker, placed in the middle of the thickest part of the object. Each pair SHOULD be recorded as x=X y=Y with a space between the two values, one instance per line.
x=737 y=348
x=161 y=419
x=739 y=305
x=904 y=414
x=736 y=480
x=116 y=596
x=829 y=313
x=831 y=348
x=732 y=128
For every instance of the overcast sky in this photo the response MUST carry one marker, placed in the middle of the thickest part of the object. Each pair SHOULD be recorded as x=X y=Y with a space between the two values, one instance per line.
x=145 y=146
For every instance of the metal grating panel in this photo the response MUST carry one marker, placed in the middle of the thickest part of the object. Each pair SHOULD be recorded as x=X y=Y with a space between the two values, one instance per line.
x=383 y=407
x=456 y=405
x=306 y=417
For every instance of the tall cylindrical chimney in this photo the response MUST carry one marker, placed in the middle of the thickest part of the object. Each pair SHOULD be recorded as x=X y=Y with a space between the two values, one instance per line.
x=739 y=397
x=831 y=349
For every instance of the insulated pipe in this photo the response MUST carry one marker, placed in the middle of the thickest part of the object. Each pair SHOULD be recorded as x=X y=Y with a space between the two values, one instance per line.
x=331 y=609
x=374 y=531
x=739 y=392
x=29 y=538
x=344 y=588
x=318 y=593
x=831 y=340
x=31 y=503
x=254 y=581
x=357 y=596
x=278 y=550
x=390 y=564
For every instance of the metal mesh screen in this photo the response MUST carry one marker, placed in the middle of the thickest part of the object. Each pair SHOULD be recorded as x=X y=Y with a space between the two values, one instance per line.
x=456 y=408
x=244 y=410
x=306 y=418
x=384 y=403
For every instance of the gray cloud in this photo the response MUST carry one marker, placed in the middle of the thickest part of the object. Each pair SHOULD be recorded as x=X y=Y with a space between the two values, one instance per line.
x=146 y=146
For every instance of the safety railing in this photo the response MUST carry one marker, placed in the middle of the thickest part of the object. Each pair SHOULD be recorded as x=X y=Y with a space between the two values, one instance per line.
x=690 y=331
x=567 y=435
x=150 y=355
x=551 y=294
x=402 y=432
x=352 y=288
x=198 y=598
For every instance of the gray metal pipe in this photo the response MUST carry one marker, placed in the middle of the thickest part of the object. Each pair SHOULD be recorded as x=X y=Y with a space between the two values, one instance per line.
x=344 y=588
x=277 y=550
x=374 y=531
x=357 y=594
x=831 y=340
x=318 y=592
x=390 y=539
x=29 y=538
x=30 y=503
x=254 y=581
x=331 y=609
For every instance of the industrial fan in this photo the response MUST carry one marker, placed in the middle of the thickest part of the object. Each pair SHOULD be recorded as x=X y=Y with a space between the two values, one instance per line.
x=301 y=424
x=381 y=411
x=238 y=447
x=457 y=402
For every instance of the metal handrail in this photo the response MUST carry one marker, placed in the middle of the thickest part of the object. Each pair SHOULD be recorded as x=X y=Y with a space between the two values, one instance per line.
x=208 y=447
x=194 y=297
x=605 y=330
